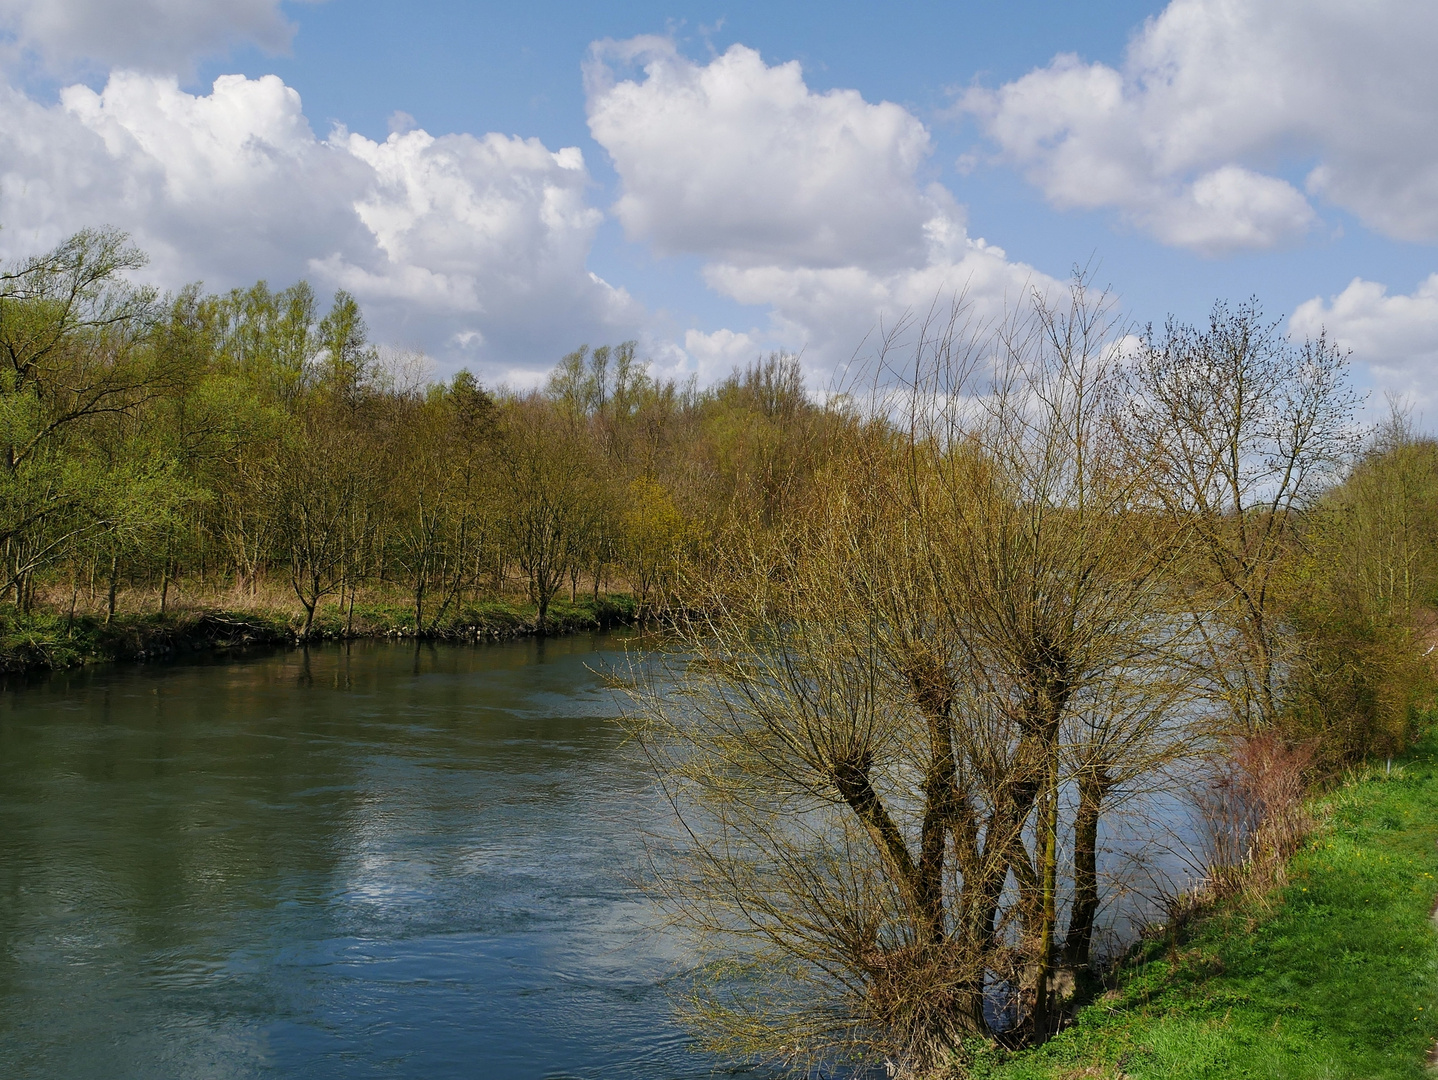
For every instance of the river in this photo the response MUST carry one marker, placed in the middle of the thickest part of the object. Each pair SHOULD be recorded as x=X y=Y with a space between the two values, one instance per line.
x=352 y=861
x=373 y=859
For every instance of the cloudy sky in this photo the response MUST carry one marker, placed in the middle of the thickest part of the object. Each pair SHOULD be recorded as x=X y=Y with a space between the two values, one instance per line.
x=498 y=183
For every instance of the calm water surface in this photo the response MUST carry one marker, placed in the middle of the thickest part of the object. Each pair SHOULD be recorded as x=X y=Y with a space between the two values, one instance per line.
x=365 y=861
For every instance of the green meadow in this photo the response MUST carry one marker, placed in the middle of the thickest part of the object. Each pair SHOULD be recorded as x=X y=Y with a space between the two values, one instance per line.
x=1334 y=976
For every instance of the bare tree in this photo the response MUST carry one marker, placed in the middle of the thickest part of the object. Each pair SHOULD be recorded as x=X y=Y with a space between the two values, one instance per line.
x=1240 y=430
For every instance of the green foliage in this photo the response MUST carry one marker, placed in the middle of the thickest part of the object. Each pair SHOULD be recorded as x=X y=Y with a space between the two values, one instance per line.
x=266 y=456
x=243 y=441
x=655 y=537
x=76 y=364
x=347 y=357
x=1365 y=582
x=585 y=384
x=250 y=438
x=46 y=641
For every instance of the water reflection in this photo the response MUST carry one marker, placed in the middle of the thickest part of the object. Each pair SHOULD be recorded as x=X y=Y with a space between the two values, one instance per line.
x=346 y=861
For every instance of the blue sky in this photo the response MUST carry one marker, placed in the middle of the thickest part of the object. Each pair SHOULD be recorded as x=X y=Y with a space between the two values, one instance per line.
x=722 y=204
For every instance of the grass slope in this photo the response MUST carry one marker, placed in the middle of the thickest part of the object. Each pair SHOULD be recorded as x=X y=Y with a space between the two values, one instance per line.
x=1335 y=976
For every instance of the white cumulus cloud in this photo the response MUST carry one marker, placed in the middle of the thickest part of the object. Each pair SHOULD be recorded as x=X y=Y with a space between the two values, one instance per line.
x=490 y=233
x=473 y=248
x=810 y=204
x=1395 y=337
x=837 y=314
x=1216 y=98
x=740 y=161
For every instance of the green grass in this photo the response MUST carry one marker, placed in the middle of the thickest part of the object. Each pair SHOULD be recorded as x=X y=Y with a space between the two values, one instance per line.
x=488 y=618
x=1335 y=976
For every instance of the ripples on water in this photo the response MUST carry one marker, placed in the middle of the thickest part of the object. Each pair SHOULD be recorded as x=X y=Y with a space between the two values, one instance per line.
x=362 y=861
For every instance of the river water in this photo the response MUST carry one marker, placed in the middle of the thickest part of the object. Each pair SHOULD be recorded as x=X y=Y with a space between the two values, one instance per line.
x=366 y=860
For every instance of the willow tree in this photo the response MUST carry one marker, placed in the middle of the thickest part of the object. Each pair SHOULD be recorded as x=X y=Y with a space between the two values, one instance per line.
x=867 y=750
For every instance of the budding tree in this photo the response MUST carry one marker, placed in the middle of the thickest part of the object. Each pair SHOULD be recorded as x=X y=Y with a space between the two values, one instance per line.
x=887 y=697
x=1239 y=430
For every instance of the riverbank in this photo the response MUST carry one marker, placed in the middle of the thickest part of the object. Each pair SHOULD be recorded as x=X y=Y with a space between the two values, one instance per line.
x=46 y=641
x=1333 y=976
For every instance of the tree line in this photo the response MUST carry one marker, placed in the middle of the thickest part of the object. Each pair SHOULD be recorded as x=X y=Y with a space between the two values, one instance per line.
x=235 y=442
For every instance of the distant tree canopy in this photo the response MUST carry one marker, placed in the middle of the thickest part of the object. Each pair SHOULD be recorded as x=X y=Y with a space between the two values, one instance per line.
x=253 y=436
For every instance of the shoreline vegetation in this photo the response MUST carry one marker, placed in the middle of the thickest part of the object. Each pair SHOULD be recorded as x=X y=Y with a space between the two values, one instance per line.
x=260 y=457
x=1044 y=587
x=1331 y=972
x=50 y=640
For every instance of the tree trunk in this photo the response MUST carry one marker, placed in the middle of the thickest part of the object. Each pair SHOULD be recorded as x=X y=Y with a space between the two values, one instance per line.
x=308 y=604
x=1048 y=837
x=1079 y=940
x=114 y=585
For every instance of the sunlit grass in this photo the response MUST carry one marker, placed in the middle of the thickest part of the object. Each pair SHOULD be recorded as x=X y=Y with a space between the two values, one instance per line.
x=1334 y=977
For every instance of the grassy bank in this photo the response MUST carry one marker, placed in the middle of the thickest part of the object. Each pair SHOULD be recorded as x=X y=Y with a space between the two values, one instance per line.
x=43 y=640
x=1334 y=976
